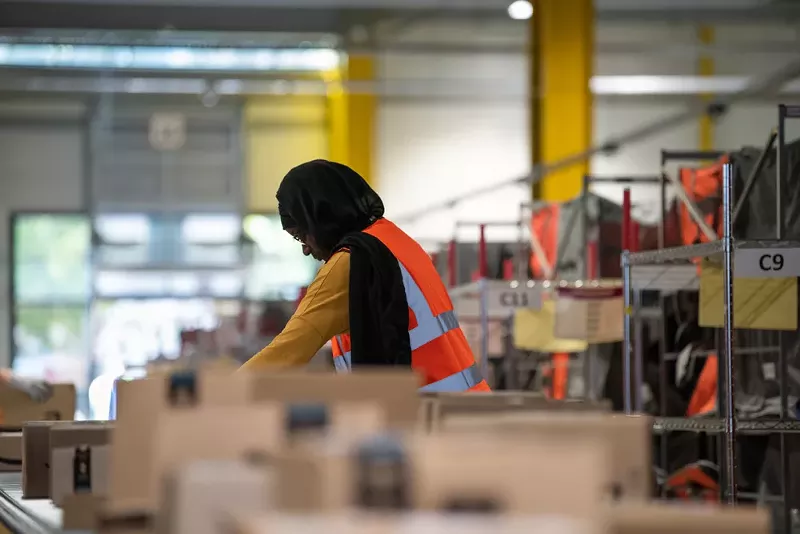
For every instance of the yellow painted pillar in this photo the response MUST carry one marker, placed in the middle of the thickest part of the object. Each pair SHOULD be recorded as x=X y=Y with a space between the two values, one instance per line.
x=562 y=64
x=351 y=115
x=280 y=132
x=705 y=67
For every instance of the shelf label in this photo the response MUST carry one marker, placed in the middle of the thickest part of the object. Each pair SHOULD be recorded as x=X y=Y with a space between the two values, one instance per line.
x=767 y=263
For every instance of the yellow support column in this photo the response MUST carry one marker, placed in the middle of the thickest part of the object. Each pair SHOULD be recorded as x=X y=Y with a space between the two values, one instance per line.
x=705 y=67
x=351 y=116
x=562 y=64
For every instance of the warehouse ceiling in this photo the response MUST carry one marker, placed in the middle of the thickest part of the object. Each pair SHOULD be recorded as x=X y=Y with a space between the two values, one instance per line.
x=339 y=16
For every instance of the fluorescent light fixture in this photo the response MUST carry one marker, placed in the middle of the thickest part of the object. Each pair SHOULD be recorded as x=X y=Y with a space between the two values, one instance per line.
x=520 y=10
x=128 y=229
x=211 y=229
x=167 y=58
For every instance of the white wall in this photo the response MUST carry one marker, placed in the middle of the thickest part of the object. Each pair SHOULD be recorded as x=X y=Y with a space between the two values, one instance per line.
x=41 y=168
x=435 y=148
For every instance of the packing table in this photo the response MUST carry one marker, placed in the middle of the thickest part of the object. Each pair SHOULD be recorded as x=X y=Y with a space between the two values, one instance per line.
x=26 y=516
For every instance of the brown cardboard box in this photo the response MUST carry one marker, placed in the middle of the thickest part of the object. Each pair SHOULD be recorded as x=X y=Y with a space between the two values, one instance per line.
x=11 y=452
x=68 y=444
x=395 y=391
x=421 y=523
x=36 y=459
x=683 y=519
x=81 y=511
x=448 y=472
x=211 y=433
x=200 y=496
x=451 y=404
x=139 y=402
x=628 y=439
x=17 y=407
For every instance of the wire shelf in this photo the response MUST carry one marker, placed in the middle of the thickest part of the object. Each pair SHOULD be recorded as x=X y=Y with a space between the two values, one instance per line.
x=717 y=426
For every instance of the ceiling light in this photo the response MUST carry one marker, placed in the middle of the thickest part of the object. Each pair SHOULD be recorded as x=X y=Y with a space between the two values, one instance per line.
x=520 y=10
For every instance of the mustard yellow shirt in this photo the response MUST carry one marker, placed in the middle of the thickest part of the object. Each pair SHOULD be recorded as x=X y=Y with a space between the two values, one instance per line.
x=323 y=313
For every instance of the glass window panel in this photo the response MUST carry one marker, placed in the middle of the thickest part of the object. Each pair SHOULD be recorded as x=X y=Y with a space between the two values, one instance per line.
x=50 y=342
x=51 y=258
x=278 y=268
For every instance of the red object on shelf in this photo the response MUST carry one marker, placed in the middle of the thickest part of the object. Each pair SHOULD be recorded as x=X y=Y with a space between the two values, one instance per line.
x=634 y=237
x=508 y=269
x=591 y=260
x=626 y=219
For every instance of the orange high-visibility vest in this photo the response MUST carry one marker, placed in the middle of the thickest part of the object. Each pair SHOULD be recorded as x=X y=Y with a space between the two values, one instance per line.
x=439 y=350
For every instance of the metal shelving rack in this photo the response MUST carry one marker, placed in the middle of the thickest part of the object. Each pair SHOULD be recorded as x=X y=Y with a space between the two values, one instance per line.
x=673 y=268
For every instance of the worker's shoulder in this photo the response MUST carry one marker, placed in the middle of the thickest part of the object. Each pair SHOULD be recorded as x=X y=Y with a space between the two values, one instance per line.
x=339 y=260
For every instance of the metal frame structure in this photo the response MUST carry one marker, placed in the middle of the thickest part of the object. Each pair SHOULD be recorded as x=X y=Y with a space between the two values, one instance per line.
x=675 y=265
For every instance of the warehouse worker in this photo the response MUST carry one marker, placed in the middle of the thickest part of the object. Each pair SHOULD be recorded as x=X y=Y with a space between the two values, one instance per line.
x=378 y=296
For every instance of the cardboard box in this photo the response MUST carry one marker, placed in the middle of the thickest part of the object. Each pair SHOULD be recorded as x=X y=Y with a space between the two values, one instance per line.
x=422 y=523
x=139 y=402
x=628 y=440
x=442 y=472
x=36 y=459
x=17 y=407
x=11 y=452
x=396 y=392
x=453 y=404
x=79 y=458
x=202 y=496
x=81 y=511
x=183 y=436
x=686 y=519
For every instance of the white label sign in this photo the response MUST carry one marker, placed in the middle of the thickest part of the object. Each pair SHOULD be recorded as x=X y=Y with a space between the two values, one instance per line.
x=508 y=298
x=502 y=299
x=766 y=263
x=167 y=131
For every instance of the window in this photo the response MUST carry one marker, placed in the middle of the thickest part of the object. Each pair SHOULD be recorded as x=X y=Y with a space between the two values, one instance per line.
x=50 y=343
x=278 y=268
x=51 y=258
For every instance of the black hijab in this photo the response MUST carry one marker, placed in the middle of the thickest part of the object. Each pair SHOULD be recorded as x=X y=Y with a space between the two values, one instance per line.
x=328 y=201
x=333 y=204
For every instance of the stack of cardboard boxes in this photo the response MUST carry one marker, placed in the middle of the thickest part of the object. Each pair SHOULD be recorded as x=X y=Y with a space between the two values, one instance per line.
x=213 y=452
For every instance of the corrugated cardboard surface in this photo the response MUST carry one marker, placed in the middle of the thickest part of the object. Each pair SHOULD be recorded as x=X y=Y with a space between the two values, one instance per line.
x=448 y=405
x=700 y=519
x=17 y=407
x=519 y=476
x=628 y=440
x=138 y=404
x=36 y=459
x=396 y=392
x=414 y=523
x=200 y=497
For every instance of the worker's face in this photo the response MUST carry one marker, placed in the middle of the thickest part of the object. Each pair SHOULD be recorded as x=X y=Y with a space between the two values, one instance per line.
x=310 y=247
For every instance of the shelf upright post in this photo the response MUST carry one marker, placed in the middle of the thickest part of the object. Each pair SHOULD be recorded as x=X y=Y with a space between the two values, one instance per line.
x=783 y=363
x=728 y=274
x=626 y=344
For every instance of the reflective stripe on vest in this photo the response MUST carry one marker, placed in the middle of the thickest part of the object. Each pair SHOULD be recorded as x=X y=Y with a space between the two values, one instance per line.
x=342 y=363
x=429 y=327
x=457 y=382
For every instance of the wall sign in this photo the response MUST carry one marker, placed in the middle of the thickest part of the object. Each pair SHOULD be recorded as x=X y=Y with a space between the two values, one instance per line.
x=167 y=131
x=766 y=263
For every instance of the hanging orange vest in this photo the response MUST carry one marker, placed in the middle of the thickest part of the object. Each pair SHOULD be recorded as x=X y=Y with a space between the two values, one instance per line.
x=439 y=351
